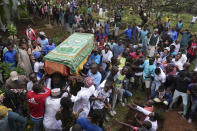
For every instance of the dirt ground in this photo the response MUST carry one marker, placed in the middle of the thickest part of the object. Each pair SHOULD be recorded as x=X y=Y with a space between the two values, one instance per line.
x=169 y=121
x=174 y=122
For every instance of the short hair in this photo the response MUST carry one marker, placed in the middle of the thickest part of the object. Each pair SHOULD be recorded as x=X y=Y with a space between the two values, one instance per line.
x=76 y=127
x=157 y=70
x=96 y=116
x=147 y=124
x=31 y=74
x=66 y=102
x=36 y=88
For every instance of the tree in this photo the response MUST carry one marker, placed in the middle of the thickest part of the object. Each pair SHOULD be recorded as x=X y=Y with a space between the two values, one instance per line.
x=8 y=12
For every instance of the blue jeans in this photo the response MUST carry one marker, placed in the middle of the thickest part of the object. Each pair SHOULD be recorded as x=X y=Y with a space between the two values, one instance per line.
x=127 y=93
x=155 y=86
x=37 y=123
x=13 y=120
x=193 y=109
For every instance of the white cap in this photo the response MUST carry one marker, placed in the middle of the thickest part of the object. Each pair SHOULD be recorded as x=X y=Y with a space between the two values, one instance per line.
x=167 y=48
x=42 y=33
x=155 y=30
x=55 y=92
x=14 y=75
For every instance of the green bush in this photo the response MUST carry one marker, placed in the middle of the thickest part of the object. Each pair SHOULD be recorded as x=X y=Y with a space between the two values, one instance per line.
x=5 y=70
x=83 y=9
x=23 y=13
x=12 y=30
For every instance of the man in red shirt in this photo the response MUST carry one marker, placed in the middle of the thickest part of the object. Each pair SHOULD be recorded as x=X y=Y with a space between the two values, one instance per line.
x=30 y=34
x=36 y=99
x=136 y=55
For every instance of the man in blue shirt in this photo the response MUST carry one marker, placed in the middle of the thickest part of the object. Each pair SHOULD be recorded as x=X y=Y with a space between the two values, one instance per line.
x=143 y=33
x=10 y=56
x=186 y=35
x=50 y=46
x=95 y=57
x=148 y=73
x=173 y=34
x=118 y=49
x=93 y=72
x=128 y=33
x=107 y=28
x=179 y=26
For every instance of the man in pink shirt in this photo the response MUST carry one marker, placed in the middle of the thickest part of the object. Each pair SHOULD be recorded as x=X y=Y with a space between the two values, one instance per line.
x=136 y=55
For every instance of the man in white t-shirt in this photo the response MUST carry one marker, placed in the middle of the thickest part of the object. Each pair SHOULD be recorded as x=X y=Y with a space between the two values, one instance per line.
x=107 y=55
x=193 y=21
x=33 y=79
x=159 y=79
x=178 y=62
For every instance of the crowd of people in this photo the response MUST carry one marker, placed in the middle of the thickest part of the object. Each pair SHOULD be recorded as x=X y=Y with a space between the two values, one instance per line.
x=156 y=62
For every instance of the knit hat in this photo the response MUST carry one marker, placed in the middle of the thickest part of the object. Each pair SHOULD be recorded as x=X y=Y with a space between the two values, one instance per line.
x=89 y=81
x=36 y=54
x=3 y=111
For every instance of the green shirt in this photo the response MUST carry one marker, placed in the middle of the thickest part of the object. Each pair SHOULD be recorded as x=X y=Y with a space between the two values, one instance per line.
x=119 y=80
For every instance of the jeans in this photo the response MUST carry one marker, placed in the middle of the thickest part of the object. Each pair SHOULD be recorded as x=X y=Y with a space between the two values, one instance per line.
x=37 y=123
x=155 y=86
x=193 y=109
x=13 y=120
x=137 y=81
x=145 y=49
x=127 y=93
x=117 y=95
x=184 y=98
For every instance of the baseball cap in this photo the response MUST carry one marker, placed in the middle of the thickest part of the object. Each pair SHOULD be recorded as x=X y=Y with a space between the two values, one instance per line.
x=14 y=75
x=42 y=33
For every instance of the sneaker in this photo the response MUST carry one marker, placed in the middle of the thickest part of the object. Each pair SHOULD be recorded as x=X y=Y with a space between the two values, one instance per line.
x=122 y=104
x=189 y=120
x=107 y=118
x=183 y=117
x=114 y=112
x=111 y=113
x=180 y=112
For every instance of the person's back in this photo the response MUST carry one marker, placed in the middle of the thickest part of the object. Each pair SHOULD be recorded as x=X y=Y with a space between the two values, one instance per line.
x=20 y=83
x=86 y=125
x=36 y=102
x=52 y=105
